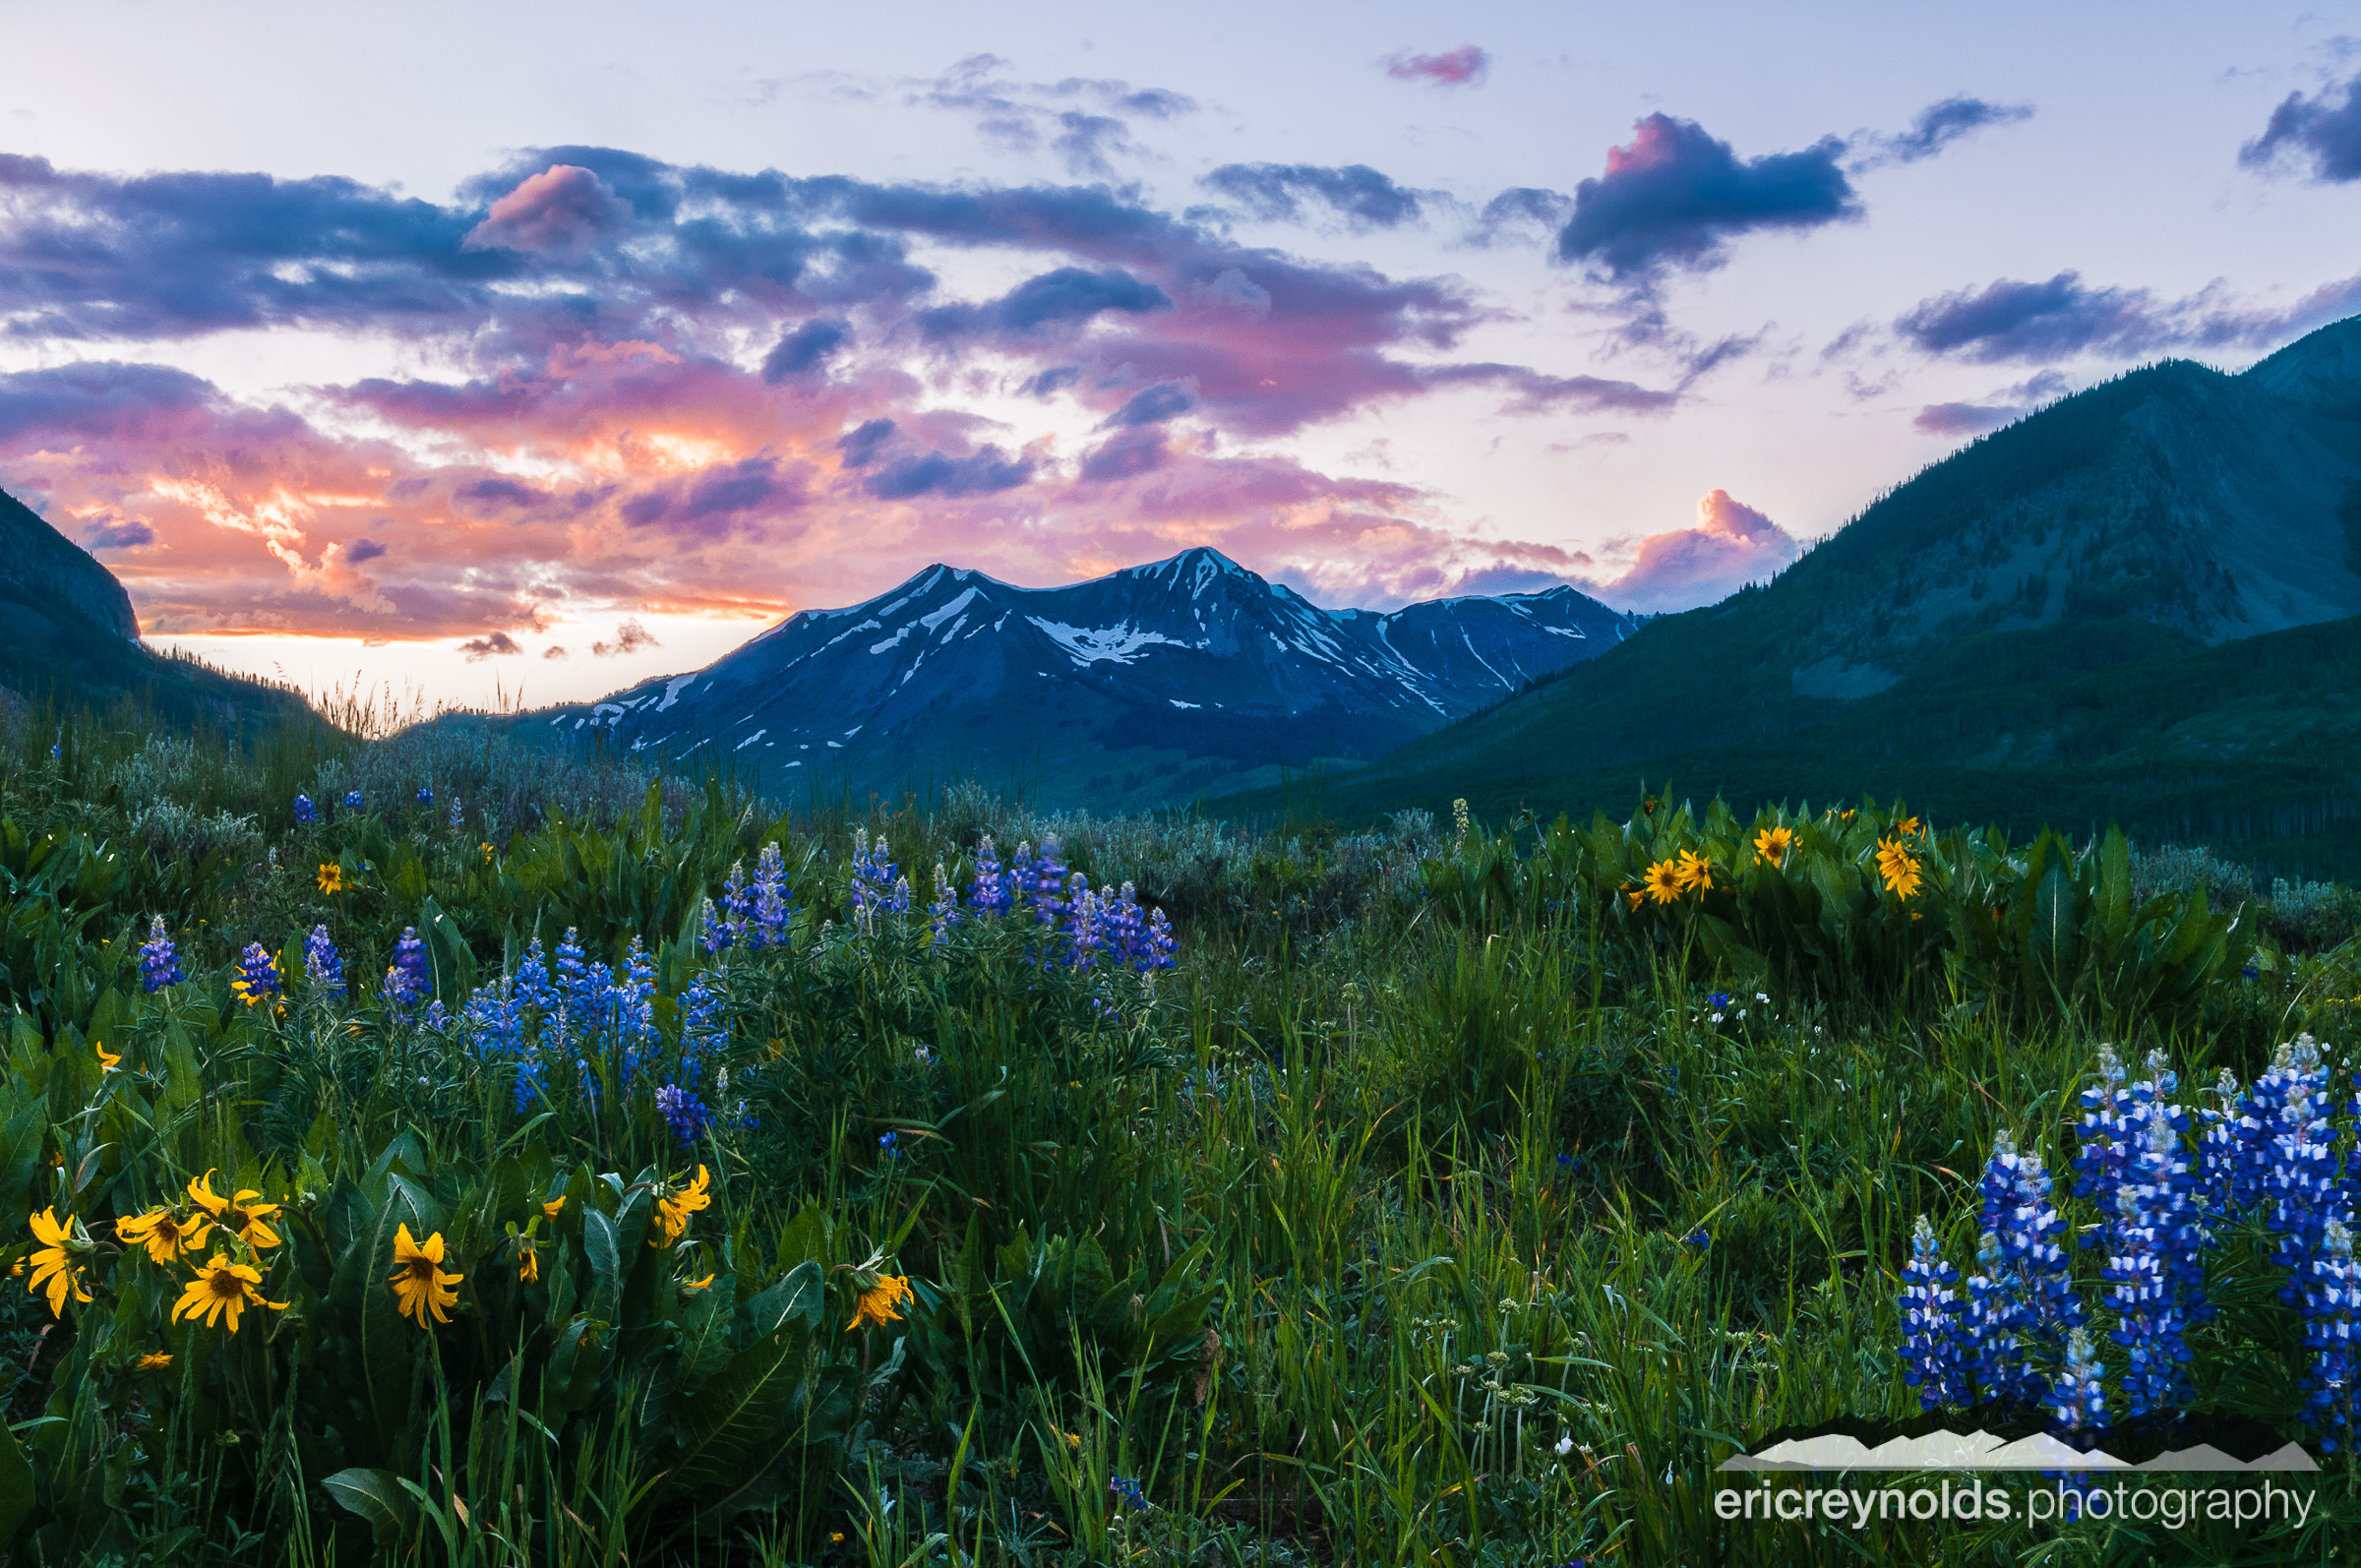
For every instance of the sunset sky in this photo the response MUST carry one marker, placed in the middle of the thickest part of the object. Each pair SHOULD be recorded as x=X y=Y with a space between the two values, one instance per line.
x=558 y=346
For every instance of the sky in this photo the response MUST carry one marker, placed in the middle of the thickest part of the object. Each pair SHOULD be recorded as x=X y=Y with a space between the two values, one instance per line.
x=511 y=355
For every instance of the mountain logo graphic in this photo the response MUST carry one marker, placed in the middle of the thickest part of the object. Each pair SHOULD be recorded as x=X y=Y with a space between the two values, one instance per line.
x=1850 y=1446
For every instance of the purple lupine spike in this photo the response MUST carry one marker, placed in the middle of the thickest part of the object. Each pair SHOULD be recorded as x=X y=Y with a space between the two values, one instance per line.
x=159 y=965
x=321 y=964
x=989 y=895
x=1933 y=1353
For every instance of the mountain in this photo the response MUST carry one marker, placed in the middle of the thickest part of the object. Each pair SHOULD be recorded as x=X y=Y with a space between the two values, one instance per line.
x=67 y=633
x=2134 y=604
x=1150 y=686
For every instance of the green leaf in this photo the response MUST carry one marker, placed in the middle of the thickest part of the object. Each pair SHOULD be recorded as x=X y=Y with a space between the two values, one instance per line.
x=731 y=1428
x=15 y=1488
x=377 y=1497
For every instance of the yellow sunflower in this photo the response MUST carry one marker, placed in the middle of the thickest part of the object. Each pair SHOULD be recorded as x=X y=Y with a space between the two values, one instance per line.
x=674 y=1211
x=331 y=878
x=163 y=1233
x=106 y=1059
x=152 y=1362
x=418 y=1281
x=1906 y=826
x=223 y=1288
x=54 y=1266
x=1695 y=872
x=1773 y=843
x=1663 y=881
x=551 y=1208
x=698 y=1285
x=879 y=1303
x=249 y=1218
x=529 y=1261
x=1897 y=867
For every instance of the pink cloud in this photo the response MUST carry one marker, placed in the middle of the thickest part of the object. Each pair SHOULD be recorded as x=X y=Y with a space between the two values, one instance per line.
x=1730 y=546
x=1462 y=67
x=565 y=211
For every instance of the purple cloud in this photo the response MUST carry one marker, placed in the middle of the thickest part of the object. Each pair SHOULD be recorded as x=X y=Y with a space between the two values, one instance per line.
x=1153 y=404
x=1276 y=193
x=493 y=644
x=2320 y=127
x=2034 y=322
x=1068 y=296
x=629 y=637
x=804 y=349
x=1126 y=456
x=1675 y=195
x=983 y=472
x=2011 y=405
x=564 y=210
x=1937 y=126
x=1463 y=67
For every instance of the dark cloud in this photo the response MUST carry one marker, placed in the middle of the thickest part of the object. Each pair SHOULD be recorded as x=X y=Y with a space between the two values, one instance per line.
x=493 y=644
x=804 y=349
x=554 y=652
x=119 y=535
x=1464 y=66
x=1153 y=404
x=1535 y=394
x=564 y=210
x=1276 y=193
x=1521 y=213
x=2323 y=130
x=986 y=471
x=497 y=493
x=629 y=637
x=2008 y=404
x=1937 y=126
x=363 y=550
x=719 y=498
x=98 y=399
x=860 y=446
x=1068 y=296
x=2034 y=322
x=1126 y=456
x=1054 y=380
x=1675 y=195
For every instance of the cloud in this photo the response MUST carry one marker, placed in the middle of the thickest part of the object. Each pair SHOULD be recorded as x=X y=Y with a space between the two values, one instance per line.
x=804 y=349
x=1675 y=196
x=980 y=473
x=492 y=645
x=1127 y=456
x=564 y=210
x=361 y=550
x=2319 y=129
x=1463 y=67
x=858 y=447
x=1153 y=404
x=1520 y=214
x=554 y=651
x=1277 y=192
x=1937 y=126
x=1018 y=115
x=629 y=637
x=2007 y=405
x=2029 y=323
x=111 y=535
x=1731 y=545
x=1067 y=297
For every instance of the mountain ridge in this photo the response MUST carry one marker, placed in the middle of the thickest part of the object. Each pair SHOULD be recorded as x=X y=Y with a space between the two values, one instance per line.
x=1146 y=686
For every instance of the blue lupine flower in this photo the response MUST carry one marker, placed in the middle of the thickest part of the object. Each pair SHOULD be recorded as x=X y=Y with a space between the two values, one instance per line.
x=578 y=988
x=1933 y=1356
x=713 y=935
x=1718 y=1000
x=2104 y=1135
x=627 y=1018
x=352 y=799
x=1992 y=1350
x=991 y=893
x=704 y=1026
x=1699 y=1240
x=2151 y=1323
x=456 y=819
x=321 y=965
x=875 y=888
x=2251 y=972
x=530 y=1085
x=1126 y=1492
x=533 y=987
x=2331 y=1303
x=159 y=965
x=890 y=1145
x=305 y=811
x=436 y=1019
x=684 y=1113
x=1042 y=881
x=775 y=903
x=257 y=980
x=55 y=751
x=2301 y=1193
x=943 y=913
x=737 y=911
x=1086 y=931
x=2078 y=1399
x=410 y=978
x=2028 y=1298
x=426 y=796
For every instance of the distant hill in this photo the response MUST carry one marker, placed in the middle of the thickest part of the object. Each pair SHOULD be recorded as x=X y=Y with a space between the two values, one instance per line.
x=2135 y=604
x=1148 y=686
x=67 y=634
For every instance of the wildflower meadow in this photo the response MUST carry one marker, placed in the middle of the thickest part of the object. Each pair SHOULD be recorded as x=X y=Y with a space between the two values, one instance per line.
x=424 y=1151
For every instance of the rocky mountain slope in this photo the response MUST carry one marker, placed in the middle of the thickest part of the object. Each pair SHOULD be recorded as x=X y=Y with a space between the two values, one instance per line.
x=1147 y=686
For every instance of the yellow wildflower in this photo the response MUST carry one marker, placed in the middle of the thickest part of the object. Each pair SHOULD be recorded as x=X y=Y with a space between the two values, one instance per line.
x=202 y=1193
x=1897 y=867
x=223 y=1287
x=529 y=1261
x=879 y=1303
x=1695 y=872
x=674 y=1211
x=163 y=1233
x=487 y=849
x=152 y=1362
x=1663 y=882
x=698 y=1285
x=551 y=1208
x=248 y=1219
x=1773 y=843
x=418 y=1281
x=53 y=1266
x=331 y=878
x=106 y=1059
x=1906 y=826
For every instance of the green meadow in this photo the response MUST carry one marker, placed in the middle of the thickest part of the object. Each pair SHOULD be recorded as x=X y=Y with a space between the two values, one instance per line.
x=1462 y=1193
